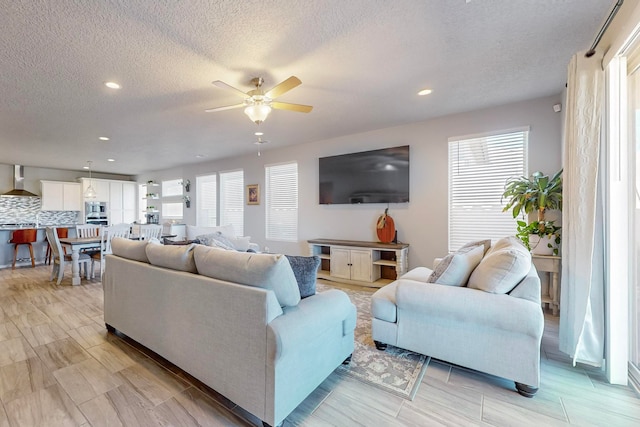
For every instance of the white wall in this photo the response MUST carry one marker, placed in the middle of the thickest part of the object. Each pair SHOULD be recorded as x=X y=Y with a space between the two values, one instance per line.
x=423 y=222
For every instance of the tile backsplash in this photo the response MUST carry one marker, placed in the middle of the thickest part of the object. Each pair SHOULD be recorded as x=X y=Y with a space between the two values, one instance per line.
x=16 y=210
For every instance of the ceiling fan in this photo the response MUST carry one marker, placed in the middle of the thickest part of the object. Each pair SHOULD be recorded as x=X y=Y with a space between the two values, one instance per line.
x=258 y=103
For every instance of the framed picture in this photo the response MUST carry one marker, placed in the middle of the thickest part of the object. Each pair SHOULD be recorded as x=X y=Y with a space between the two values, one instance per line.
x=253 y=194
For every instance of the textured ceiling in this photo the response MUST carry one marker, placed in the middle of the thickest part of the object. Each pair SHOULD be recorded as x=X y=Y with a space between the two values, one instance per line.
x=361 y=63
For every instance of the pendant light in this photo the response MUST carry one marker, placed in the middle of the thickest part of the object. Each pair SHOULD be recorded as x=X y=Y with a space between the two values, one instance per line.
x=90 y=192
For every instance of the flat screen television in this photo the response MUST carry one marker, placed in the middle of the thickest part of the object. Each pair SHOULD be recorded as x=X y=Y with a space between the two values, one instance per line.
x=376 y=176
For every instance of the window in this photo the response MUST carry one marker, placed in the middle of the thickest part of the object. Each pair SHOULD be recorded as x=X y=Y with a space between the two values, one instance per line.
x=232 y=200
x=172 y=188
x=281 y=198
x=479 y=166
x=172 y=199
x=172 y=210
x=206 y=193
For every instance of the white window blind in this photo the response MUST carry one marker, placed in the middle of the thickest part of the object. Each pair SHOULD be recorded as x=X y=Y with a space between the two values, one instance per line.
x=171 y=188
x=232 y=200
x=207 y=200
x=281 y=198
x=479 y=166
x=172 y=210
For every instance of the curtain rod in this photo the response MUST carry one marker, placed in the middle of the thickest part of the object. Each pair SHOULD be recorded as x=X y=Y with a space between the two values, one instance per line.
x=592 y=51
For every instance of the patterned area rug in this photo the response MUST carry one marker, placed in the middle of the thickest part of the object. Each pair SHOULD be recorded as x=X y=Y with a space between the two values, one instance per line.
x=395 y=370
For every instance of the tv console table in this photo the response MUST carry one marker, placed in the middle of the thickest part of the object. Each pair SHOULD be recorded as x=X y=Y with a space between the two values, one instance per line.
x=370 y=264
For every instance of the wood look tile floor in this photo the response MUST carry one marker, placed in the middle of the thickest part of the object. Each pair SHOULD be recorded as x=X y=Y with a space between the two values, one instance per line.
x=60 y=367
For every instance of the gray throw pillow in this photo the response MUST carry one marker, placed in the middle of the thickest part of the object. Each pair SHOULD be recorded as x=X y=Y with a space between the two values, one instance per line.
x=305 y=268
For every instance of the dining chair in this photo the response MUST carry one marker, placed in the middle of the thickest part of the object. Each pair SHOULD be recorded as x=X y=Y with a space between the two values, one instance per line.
x=108 y=233
x=62 y=232
x=150 y=231
x=60 y=259
x=88 y=230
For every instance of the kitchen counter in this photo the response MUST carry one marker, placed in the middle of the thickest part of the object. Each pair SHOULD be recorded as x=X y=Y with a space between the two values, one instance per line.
x=39 y=246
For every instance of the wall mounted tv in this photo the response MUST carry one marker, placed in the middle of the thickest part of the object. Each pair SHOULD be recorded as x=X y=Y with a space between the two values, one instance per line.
x=377 y=176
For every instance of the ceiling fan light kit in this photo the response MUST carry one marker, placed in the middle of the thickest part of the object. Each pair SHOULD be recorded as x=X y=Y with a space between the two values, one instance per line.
x=258 y=103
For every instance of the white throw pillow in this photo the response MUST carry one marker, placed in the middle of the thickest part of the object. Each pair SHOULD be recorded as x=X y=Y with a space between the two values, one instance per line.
x=455 y=268
x=172 y=256
x=241 y=243
x=268 y=271
x=506 y=242
x=502 y=269
x=131 y=249
x=226 y=230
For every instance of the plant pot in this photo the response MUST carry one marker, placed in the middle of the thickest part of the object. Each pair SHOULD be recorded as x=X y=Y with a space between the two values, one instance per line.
x=540 y=245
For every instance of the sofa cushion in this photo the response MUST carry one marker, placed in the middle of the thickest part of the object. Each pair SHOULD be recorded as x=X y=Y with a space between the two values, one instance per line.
x=226 y=230
x=131 y=249
x=268 y=271
x=502 y=269
x=305 y=269
x=455 y=268
x=173 y=257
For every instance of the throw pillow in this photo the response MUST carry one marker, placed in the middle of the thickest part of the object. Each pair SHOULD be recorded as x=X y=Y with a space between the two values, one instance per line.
x=305 y=269
x=455 y=268
x=501 y=270
x=216 y=239
x=226 y=230
x=268 y=271
x=506 y=242
x=130 y=249
x=173 y=257
x=486 y=243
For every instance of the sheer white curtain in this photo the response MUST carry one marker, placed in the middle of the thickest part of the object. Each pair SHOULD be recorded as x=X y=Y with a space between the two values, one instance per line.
x=582 y=291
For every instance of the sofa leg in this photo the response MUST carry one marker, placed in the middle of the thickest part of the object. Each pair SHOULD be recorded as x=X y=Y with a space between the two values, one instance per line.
x=110 y=328
x=380 y=345
x=526 y=390
x=266 y=424
x=347 y=360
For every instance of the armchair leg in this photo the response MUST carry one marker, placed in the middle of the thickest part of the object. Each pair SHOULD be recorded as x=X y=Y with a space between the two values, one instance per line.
x=380 y=345
x=347 y=360
x=526 y=390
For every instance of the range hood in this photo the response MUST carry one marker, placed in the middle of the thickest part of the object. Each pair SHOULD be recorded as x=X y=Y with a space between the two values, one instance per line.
x=18 y=184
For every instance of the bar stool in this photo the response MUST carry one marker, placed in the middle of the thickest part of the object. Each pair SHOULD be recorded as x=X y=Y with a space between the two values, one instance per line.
x=23 y=237
x=62 y=232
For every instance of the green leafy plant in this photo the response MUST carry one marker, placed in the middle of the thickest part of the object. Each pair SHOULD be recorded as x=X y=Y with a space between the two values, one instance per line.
x=542 y=229
x=536 y=193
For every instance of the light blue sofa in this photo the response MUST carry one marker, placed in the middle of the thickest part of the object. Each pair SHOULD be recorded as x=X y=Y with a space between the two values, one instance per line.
x=244 y=333
x=483 y=329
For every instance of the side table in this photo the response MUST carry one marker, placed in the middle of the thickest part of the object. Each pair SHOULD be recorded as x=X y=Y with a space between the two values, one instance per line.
x=553 y=265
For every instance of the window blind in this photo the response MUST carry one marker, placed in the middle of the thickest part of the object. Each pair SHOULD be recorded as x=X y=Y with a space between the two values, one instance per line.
x=281 y=198
x=207 y=201
x=479 y=166
x=232 y=200
x=172 y=210
x=171 y=188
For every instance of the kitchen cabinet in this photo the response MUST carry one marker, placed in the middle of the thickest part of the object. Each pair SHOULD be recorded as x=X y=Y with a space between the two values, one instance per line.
x=61 y=196
x=121 y=198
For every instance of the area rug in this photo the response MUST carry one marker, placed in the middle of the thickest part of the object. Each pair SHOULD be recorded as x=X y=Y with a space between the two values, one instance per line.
x=394 y=370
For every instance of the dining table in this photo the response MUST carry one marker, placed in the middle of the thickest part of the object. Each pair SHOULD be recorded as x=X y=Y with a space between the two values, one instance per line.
x=77 y=244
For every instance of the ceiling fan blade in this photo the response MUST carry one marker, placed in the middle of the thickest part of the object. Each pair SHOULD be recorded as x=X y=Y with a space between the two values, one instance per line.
x=284 y=87
x=292 y=107
x=223 y=85
x=228 y=107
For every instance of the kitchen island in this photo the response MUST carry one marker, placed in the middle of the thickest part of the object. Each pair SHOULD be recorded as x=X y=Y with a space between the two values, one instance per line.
x=39 y=246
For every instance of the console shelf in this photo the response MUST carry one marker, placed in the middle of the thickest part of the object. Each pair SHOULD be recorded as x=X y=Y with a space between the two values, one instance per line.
x=370 y=264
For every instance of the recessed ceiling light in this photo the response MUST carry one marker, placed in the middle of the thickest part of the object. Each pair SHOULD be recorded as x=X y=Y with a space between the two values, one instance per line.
x=200 y=156
x=85 y=167
x=259 y=133
x=103 y=138
x=425 y=92
x=112 y=85
x=111 y=160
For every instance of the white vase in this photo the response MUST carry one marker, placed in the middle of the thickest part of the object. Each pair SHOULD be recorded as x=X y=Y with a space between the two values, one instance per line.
x=540 y=245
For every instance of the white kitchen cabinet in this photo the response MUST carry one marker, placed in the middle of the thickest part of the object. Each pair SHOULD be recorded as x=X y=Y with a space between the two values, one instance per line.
x=121 y=198
x=60 y=196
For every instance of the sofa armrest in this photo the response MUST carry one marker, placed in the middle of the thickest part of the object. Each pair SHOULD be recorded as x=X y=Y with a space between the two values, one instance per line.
x=442 y=303
x=307 y=321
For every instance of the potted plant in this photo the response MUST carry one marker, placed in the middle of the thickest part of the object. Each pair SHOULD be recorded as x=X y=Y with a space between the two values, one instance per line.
x=537 y=193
